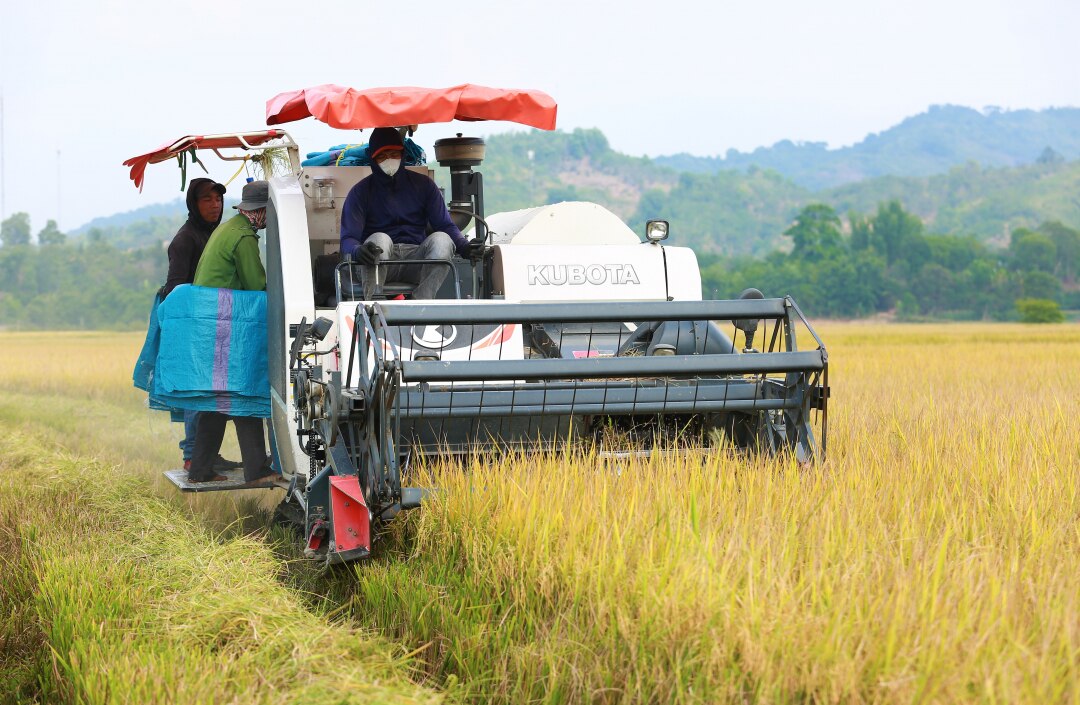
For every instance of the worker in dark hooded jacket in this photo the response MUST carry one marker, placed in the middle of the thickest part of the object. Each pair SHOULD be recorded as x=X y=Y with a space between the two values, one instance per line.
x=205 y=202
x=386 y=217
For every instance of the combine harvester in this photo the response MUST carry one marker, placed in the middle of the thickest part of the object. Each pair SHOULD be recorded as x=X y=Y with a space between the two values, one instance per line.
x=570 y=330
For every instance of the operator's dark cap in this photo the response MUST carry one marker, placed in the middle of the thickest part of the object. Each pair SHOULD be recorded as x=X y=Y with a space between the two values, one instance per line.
x=382 y=139
x=254 y=196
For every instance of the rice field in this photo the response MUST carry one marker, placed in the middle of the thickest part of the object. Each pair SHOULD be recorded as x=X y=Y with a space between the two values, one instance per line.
x=935 y=556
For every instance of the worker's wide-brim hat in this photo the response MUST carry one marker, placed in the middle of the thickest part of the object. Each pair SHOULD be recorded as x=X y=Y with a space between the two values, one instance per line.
x=254 y=196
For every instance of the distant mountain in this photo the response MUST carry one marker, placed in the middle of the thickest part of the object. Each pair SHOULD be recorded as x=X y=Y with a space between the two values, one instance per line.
x=736 y=212
x=153 y=224
x=988 y=203
x=963 y=172
x=929 y=143
x=172 y=209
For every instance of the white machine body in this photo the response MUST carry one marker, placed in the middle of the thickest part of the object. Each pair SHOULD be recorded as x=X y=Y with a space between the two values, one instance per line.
x=566 y=252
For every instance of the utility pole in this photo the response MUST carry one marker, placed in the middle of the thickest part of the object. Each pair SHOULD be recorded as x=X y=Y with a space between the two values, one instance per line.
x=3 y=153
x=59 y=202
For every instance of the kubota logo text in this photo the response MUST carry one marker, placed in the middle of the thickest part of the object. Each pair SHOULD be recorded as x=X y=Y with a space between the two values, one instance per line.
x=577 y=274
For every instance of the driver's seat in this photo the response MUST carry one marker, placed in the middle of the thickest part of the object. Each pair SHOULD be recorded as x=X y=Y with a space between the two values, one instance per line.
x=325 y=280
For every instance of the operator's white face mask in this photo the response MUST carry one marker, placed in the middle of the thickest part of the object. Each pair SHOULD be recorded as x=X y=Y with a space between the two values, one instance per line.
x=390 y=166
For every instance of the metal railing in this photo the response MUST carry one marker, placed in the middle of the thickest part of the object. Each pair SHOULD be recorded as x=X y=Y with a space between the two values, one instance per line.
x=380 y=289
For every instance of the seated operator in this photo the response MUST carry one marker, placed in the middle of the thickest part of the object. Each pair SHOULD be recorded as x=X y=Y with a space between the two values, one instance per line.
x=386 y=217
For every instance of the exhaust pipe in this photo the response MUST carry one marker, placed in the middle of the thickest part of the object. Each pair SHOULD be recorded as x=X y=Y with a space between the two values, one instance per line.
x=460 y=155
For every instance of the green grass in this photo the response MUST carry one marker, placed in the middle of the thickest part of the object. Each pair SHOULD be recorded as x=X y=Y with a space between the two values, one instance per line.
x=113 y=595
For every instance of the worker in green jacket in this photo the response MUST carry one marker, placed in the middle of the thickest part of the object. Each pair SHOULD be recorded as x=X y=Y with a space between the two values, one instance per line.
x=231 y=261
x=231 y=258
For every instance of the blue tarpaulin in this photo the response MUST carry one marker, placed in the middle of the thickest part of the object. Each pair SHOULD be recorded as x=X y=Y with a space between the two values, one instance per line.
x=143 y=375
x=206 y=351
x=357 y=155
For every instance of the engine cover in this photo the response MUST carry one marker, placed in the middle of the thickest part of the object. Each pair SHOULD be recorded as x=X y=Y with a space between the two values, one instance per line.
x=537 y=273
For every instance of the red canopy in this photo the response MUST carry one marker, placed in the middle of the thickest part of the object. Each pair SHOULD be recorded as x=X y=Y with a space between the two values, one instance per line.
x=239 y=140
x=349 y=108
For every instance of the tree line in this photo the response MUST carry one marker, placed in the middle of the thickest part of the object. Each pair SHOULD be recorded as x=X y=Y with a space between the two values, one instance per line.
x=847 y=267
x=56 y=282
x=887 y=261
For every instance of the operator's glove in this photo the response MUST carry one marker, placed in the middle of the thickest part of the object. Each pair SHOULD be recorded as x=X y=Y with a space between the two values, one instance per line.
x=368 y=253
x=477 y=248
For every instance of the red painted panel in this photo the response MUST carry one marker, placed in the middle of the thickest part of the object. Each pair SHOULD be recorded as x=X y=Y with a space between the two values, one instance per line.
x=349 y=514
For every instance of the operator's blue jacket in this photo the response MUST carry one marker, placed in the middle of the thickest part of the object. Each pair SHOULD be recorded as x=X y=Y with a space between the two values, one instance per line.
x=401 y=206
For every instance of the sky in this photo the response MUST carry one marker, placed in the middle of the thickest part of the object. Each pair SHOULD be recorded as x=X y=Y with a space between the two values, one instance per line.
x=86 y=84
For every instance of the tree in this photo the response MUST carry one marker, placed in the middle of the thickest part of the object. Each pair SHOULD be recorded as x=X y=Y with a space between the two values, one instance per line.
x=10 y=310
x=586 y=143
x=1050 y=156
x=862 y=234
x=1039 y=311
x=1033 y=252
x=934 y=288
x=816 y=233
x=51 y=235
x=954 y=253
x=15 y=230
x=1041 y=285
x=977 y=286
x=851 y=285
x=560 y=194
x=897 y=234
x=907 y=307
x=1067 y=244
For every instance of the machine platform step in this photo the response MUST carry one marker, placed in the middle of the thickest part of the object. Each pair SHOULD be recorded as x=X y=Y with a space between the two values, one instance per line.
x=235 y=481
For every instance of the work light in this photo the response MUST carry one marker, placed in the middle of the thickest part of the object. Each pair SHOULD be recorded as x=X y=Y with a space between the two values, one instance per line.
x=656 y=230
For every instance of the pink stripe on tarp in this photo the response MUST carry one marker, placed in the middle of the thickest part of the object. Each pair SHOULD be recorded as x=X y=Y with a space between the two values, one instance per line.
x=221 y=349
